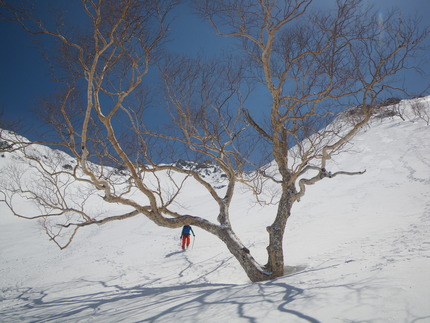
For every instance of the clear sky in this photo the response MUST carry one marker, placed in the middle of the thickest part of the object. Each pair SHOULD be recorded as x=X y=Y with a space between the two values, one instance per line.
x=25 y=78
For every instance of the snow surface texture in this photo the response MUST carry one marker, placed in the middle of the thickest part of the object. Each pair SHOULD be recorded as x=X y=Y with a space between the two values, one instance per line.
x=358 y=250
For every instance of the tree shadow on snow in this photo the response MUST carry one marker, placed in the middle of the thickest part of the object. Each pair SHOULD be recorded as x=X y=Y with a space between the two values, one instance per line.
x=197 y=300
x=105 y=302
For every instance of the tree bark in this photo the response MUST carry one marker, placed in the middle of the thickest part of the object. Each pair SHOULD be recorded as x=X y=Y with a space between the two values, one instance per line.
x=276 y=232
x=252 y=268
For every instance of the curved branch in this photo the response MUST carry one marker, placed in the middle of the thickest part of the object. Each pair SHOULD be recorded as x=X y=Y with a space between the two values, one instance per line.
x=322 y=173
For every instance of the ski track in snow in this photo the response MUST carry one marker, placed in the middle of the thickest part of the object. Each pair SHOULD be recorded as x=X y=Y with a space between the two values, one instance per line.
x=358 y=250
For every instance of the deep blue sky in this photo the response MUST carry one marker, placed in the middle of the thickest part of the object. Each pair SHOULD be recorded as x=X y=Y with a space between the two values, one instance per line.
x=24 y=76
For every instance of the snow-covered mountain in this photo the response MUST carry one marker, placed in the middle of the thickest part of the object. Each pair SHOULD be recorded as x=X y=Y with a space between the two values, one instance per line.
x=358 y=250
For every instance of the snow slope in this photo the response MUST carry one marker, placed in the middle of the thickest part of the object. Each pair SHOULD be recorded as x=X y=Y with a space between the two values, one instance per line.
x=358 y=250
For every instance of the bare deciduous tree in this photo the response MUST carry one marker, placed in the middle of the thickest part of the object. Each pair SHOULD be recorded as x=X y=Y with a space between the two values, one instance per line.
x=310 y=64
x=421 y=110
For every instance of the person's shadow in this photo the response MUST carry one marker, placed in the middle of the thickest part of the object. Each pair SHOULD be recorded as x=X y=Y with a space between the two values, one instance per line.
x=174 y=253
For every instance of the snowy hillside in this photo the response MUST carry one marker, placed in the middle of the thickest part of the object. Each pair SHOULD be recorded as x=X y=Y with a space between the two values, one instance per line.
x=358 y=250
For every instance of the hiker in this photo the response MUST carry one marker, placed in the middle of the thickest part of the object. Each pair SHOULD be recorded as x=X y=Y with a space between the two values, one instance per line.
x=185 y=236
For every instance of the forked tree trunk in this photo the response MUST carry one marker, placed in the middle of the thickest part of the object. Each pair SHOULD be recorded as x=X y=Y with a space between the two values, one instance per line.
x=252 y=268
x=275 y=265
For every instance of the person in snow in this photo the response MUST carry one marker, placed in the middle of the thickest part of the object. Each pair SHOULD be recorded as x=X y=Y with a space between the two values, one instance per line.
x=185 y=236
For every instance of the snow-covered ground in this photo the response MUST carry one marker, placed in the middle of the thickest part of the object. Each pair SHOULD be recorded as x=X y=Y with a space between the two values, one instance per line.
x=358 y=250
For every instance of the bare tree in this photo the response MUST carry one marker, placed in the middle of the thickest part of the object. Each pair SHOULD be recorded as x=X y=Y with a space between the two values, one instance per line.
x=309 y=64
x=421 y=110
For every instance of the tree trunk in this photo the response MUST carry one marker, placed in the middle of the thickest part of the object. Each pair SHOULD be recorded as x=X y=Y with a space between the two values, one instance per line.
x=252 y=268
x=275 y=250
x=275 y=265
